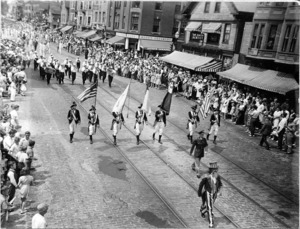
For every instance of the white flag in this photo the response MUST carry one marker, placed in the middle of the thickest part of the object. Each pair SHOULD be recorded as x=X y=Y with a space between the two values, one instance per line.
x=118 y=107
x=146 y=107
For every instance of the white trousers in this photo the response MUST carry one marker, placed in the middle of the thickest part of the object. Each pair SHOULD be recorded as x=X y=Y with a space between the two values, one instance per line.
x=139 y=128
x=115 y=129
x=191 y=128
x=214 y=128
x=92 y=129
x=72 y=127
x=159 y=127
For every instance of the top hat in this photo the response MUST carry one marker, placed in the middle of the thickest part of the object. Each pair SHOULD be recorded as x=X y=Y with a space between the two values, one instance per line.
x=194 y=107
x=140 y=106
x=93 y=108
x=73 y=104
x=213 y=165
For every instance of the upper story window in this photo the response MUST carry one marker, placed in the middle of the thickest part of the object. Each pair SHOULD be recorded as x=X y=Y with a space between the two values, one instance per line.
x=217 y=7
x=90 y=5
x=158 y=6
x=226 y=34
x=156 y=25
x=271 y=37
x=177 y=9
x=206 y=7
x=294 y=38
x=279 y=3
x=260 y=36
x=117 y=21
x=103 y=18
x=118 y=4
x=125 y=3
x=81 y=5
x=123 y=22
x=254 y=36
x=135 y=21
x=136 y=4
x=96 y=17
x=286 y=38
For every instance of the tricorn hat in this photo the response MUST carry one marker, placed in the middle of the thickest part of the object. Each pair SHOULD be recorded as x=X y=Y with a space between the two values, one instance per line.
x=194 y=107
x=93 y=108
x=213 y=165
x=73 y=104
x=159 y=106
x=140 y=106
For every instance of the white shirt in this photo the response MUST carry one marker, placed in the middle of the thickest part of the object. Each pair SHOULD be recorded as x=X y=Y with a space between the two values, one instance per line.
x=282 y=124
x=8 y=142
x=38 y=221
x=22 y=156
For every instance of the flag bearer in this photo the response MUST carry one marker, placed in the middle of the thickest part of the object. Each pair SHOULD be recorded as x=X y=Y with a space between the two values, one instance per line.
x=192 y=122
x=159 y=123
x=141 y=118
x=214 y=125
x=74 y=119
x=117 y=121
x=93 y=123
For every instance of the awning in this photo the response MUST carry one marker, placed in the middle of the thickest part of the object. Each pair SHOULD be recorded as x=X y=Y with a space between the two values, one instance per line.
x=96 y=38
x=186 y=60
x=264 y=79
x=116 y=40
x=66 y=28
x=213 y=66
x=78 y=33
x=156 y=45
x=88 y=34
x=211 y=27
x=193 y=26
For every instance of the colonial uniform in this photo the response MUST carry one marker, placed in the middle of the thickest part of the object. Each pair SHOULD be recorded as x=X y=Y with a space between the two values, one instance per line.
x=209 y=188
x=214 y=125
x=192 y=122
x=141 y=118
x=117 y=121
x=74 y=119
x=159 y=123
x=93 y=123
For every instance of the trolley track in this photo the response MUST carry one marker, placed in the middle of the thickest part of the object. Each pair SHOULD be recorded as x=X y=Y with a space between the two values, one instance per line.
x=179 y=173
x=221 y=155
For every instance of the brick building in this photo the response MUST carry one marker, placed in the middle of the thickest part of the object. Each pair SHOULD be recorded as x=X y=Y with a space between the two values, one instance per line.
x=215 y=29
x=272 y=39
x=143 y=25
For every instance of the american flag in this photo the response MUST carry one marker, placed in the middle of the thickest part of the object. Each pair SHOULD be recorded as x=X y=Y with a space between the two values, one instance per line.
x=205 y=105
x=88 y=93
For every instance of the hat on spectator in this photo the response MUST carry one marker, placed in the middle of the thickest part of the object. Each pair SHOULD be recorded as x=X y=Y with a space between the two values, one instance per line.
x=42 y=207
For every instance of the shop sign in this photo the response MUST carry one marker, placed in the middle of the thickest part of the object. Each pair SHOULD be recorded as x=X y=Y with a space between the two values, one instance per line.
x=196 y=36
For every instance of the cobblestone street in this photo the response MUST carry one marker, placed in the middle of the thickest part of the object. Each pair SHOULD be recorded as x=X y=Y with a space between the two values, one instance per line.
x=150 y=185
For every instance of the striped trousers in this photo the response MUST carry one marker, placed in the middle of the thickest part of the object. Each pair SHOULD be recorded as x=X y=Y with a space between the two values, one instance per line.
x=208 y=200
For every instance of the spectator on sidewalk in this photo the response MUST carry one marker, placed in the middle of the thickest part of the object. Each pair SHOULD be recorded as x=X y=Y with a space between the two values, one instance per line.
x=24 y=183
x=38 y=220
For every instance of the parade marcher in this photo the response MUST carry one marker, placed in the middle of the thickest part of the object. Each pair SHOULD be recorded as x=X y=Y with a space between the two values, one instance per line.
x=78 y=64
x=209 y=188
x=110 y=74
x=141 y=118
x=93 y=123
x=266 y=130
x=200 y=146
x=73 y=73
x=61 y=74
x=214 y=125
x=117 y=121
x=74 y=119
x=84 y=74
x=48 y=73
x=159 y=123
x=192 y=122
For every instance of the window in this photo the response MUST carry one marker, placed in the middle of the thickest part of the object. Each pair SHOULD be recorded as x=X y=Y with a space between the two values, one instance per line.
x=226 y=34
x=99 y=17
x=217 y=7
x=72 y=17
x=89 y=20
x=123 y=22
x=136 y=4
x=268 y=3
x=103 y=18
x=294 y=38
x=279 y=3
x=271 y=37
x=117 y=21
x=110 y=21
x=80 y=20
x=177 y=9
x=125 y=4
x=260 y=37
x=156 y=25
x=286 y=38
x=118 y=5
x=158 y=6
x=213 y=38
x=81 y=5
x=254 y=36
x=96 y=17
x=206 y=8
x=134 y=21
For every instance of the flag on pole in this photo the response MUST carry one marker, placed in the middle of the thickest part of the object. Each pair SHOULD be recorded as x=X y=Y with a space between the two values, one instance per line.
x=118 y=107
x=166 y=103
x=146 y=107
x=205 y=105
x=88 y=93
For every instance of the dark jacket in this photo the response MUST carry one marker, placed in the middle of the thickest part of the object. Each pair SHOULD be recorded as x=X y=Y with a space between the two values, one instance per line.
x=92 y=120
x=71 y=116
x=157 y=116
x=206 y=184
x=193 y=117
x=141 y=119
x=266 y=129
x=199 y=145
x=213 y=119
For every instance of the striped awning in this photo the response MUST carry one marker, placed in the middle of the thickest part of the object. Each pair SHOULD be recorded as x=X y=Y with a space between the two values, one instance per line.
x=193 y=26
x=211 y=27
x=212 y=66
x=96 y=38
x=264 y=79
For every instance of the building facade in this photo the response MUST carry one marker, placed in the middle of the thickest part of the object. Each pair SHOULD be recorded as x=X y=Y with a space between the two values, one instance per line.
x=272 y=39
x=215 y=29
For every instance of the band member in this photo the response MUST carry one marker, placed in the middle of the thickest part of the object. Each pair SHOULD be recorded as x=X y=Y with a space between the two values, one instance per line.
x=141 y=118
x=192 y=122
x=61 y=74
x=110 y=73
x=78 y=64
x=84 y=74
x=73 y=73
x=104 y=69
x=159 y=123
x=209 y=188
x=48 y=73
x=214 y=125
x=69 y=69
x=65 y=63
x=74 y=119
x=93 y=123
x=35 y=59
x=200 y=146
x=117 y=121
x=90 y=73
